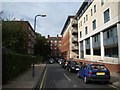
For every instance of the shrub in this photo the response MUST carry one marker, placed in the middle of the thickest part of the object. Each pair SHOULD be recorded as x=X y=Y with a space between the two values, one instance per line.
x=13 y=64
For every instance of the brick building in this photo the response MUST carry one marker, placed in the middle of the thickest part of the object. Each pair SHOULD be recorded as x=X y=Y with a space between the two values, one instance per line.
x=25 y=25
x=69 y=34
x=55 y=45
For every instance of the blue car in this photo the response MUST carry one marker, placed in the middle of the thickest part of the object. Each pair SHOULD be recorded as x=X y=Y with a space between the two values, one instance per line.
x=94 y=72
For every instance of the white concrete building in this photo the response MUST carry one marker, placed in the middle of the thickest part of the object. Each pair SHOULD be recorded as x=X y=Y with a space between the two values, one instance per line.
x=99 y=32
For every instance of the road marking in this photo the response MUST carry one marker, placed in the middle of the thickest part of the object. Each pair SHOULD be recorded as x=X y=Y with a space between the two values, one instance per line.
x=43 y=79
x=114 y=87
x=67 y=77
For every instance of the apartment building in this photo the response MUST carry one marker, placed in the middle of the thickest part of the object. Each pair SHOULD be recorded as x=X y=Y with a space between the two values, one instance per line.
x=55 y=45
x=69 y=34
x=25 y=25
x=99 y=33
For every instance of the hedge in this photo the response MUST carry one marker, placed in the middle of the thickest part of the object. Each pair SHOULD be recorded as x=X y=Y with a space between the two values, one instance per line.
x=13 y=64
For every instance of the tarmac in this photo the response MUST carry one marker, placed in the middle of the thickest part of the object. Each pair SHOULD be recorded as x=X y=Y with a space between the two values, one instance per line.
x=26 y=80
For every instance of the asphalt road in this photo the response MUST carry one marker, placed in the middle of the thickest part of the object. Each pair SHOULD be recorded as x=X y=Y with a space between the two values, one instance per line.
x=57 y=77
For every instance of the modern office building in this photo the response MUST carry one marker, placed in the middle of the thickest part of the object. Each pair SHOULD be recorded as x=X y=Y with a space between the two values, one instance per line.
x=99 y=33
x=55 y=45
x=69 y=34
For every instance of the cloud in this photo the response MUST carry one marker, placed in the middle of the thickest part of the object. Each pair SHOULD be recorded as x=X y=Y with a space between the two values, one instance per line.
x=56 y=12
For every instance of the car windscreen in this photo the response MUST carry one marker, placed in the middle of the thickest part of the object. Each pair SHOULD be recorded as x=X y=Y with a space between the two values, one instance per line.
x=98 y=67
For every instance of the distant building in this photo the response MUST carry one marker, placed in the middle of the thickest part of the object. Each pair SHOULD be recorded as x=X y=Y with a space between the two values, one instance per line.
x=69 y=34
x=25 y=25
x=55 y=45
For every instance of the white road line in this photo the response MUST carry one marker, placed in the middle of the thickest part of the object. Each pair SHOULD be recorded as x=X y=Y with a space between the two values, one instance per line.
x=66 y=77
x=114 y=87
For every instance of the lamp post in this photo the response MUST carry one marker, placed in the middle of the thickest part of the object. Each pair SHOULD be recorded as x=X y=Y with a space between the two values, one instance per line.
x=42 y=15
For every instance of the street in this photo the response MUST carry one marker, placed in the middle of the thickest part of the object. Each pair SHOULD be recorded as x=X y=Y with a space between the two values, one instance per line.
x=57 y=77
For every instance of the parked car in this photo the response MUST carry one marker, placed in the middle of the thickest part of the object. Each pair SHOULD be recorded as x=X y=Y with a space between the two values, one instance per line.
x=64 y=64
x=73 y=66
x=94 y=72
x=51 y=61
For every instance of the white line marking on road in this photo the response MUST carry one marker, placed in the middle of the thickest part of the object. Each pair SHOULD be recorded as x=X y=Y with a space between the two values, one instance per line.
x=67 y=77
x=114 y=87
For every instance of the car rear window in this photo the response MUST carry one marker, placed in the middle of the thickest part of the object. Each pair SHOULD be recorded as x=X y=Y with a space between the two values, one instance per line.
x=98 y=67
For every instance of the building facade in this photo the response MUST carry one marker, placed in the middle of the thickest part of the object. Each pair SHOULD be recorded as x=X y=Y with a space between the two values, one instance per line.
x=99 y=33
x=25 y=25
x=55 y=45
x=69 y=34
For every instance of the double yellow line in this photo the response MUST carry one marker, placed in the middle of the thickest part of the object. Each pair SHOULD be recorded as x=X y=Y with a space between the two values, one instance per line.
x=42 y=83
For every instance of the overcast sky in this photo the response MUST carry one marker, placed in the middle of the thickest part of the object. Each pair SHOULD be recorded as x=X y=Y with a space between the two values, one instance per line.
x=52 y=24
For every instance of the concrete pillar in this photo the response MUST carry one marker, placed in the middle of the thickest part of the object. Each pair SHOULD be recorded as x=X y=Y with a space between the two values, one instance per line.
x=91 y=49
x=79 y=51
x=102 y=46
x=118 y=33
x=84 y=49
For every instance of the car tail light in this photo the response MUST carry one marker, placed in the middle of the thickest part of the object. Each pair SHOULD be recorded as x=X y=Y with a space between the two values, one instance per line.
x=89 y=72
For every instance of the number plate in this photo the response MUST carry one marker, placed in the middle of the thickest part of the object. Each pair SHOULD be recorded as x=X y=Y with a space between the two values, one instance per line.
x=100 y=73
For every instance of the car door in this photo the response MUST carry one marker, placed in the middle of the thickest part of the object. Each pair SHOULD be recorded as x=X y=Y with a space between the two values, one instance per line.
x=82 y=71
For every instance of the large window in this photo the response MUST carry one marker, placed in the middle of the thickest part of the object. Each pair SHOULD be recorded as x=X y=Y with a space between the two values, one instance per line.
x=94 y=24
x=106 y=16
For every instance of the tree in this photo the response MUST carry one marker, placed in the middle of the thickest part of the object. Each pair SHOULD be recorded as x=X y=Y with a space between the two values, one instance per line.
x=42 y=48
x=14 y=37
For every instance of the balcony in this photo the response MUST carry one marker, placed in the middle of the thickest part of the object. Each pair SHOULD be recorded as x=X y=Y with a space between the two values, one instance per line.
x=74 y=48
x=74 y=32
x=74 y=40
x=74 y=23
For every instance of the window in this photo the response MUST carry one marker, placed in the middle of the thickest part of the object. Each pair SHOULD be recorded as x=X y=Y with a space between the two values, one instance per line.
x=81 y=23
x=110 y=33
x=86 y=17
x=102 y=2
x=94 y=24
x=86 y=30
x=91 y=12
x=94 y=8
x=106 y=16
x=80 y=34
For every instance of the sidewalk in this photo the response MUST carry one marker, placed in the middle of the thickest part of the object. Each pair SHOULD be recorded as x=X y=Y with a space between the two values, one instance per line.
x=115 y=79
x=26 y=80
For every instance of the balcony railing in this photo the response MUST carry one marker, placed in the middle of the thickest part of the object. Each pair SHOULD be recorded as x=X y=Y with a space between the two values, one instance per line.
x=74 y=23
x=74 y=47
x=74 y=39
x=74 y=31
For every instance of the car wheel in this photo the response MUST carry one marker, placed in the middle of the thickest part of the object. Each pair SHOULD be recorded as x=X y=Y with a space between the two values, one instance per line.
x=85 y=80
x=69 y=69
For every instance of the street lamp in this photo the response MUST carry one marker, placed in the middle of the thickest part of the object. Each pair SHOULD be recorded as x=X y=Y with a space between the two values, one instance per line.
x=42 y=15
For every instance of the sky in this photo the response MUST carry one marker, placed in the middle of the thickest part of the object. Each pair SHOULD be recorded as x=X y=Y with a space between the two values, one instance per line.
x=56 y=13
